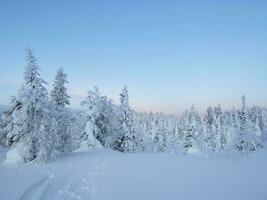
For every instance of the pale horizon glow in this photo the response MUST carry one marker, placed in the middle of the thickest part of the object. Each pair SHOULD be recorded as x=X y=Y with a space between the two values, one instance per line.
x=170 y=54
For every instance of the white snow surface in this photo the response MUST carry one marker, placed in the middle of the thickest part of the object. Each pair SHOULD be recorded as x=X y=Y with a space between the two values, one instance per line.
x=108 y=175
x=15 y=156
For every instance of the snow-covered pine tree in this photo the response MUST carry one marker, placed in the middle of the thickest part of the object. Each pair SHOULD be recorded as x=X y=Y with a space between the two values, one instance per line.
x=6 y=122
x=173 y=139
x=246 y=139
x=59 y=92
x=210 y=129
x=75 y=130
x=127 y=143
x=65 y=126
x=49 y=143
x=191 y=131
x=235 y=118
x=263 y=123
x=29 y=119
x=100 y=115
x=229 y=130
x=159 y=136
x=220 y=138
x=146 y=130
x=159 y=143
x=256 y=114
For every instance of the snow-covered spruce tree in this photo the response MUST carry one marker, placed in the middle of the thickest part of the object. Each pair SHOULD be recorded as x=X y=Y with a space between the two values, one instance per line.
x=191 y=131
x=263 y=123
x=229 y=130
x=48 y=142
x=28 y=121
x=70 y=128
x=256 y=114
x=166 y=128
x=66 y=128
x=6 y=122
x=143 y=137
x=235 y=118
x=210 y=129
x=144 y=124
x=150 y=129
x=262 y=118
x=100 y=115
x=217 y=129
x=59 y=92
x=75 y=130
x=159 y=136
x=128 y=140
x=246 y=140
x=173 y=138
x=159 y=143
x=220 y=138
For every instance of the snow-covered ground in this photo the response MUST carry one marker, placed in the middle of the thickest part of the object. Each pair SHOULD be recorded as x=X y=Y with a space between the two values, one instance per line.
x=107 y=175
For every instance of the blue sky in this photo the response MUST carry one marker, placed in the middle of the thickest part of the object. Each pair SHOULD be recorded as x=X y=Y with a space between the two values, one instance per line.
x=170 y=54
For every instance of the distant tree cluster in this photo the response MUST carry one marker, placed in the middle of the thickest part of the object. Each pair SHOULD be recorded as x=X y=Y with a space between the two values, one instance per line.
x=242 y=130
x=38 y=126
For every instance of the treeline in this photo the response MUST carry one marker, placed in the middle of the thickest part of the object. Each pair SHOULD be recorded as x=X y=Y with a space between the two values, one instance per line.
x=38 y=126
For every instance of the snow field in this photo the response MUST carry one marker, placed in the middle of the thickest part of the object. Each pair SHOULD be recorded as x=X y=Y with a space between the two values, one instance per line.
x=108 y=175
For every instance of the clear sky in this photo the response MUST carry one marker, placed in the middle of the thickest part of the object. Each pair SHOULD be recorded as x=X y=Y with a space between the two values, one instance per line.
x=170 y=54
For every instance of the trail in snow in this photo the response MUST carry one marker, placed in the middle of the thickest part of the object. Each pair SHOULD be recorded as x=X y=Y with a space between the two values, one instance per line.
x=71 y=178
x=80 y=184
x=37 y=189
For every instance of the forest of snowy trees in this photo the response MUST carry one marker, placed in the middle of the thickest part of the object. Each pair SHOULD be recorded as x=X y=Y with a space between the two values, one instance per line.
x=39 y=127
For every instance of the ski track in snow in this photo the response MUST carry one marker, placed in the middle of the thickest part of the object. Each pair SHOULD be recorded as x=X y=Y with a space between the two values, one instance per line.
x=78 y=182
x=37 y=189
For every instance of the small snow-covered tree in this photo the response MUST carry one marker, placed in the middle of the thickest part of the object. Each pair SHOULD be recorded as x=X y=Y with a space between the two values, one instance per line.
x=127 y=142
x=246 y=140
x=159 y=136
x=229 y=130
x=159 y=143
x=173 y=138
x=74 y=126
x=210 y=129
x=59 y=92
x=100 y=116
x=6 y=122
x=191 y=131
x=220 y=138
x=256 y=115
x=49 y=142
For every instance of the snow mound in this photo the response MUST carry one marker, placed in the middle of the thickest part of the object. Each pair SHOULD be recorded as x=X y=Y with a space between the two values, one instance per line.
x=16 y=155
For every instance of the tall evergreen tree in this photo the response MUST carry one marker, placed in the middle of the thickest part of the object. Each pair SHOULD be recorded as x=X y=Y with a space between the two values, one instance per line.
x=191 y=130
x=220 y=138
x=210 y=129
x=64 y=124
x=247 y=139
x=128 y=140
x=29 y=119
